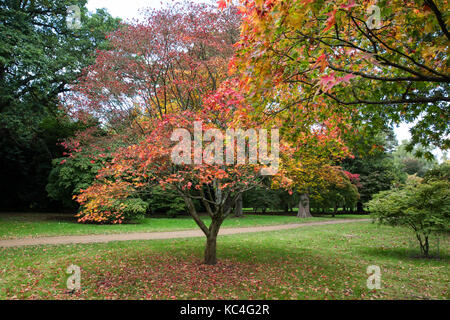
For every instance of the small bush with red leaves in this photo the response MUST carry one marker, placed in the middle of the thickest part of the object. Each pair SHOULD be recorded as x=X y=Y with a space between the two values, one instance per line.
x=107 y=204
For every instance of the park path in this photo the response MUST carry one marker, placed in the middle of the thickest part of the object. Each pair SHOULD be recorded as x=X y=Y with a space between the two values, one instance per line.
x=55 y=240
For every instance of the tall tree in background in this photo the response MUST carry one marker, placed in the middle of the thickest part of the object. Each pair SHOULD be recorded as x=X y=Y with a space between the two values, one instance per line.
x=374 y=163
x=169 y=61
x=39 y=56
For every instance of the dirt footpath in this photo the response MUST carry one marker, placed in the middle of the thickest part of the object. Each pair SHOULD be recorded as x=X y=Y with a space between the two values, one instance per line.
x=157 y=235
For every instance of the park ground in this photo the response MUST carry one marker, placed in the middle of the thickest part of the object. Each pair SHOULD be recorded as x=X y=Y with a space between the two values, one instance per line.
x=313 y=262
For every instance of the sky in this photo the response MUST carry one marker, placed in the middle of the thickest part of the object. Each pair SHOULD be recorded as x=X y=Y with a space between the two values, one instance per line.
x=129 y=9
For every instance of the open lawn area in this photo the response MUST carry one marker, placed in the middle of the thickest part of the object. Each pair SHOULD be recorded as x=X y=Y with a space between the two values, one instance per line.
x=21 y=225
x=314 y=262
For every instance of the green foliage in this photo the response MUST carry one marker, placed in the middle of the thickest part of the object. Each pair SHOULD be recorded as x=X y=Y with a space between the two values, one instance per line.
x=342 y=194
x=133 y=208
x=441 y=172
x=422 y=206
x=39 y=57
x=167 y=201
x=376 y=167
x=27 y=150
x=261 y=199
x=415 y=161
x=69 y=176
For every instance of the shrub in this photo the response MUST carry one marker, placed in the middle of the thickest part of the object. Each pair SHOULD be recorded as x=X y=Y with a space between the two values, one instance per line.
x=69 y=176
x=422 y=206
x=167 y=201
x=109 y=203
x=117 y=211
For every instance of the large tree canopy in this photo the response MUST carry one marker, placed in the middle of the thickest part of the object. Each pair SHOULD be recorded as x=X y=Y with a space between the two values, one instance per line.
x=39 y=57
x=137 y=168
x=388 y=60
x=169 y=61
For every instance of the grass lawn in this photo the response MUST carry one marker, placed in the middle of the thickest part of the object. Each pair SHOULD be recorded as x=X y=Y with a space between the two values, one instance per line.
x=21 y=225
x=317 y=262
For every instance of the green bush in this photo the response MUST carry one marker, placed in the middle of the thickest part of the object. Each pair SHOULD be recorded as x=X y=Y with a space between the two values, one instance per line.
x=69 y=175
x=133 y=208
x=166 y=201
x=423 y=206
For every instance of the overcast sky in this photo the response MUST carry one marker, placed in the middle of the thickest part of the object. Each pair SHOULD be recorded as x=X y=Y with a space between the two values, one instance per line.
x=129 y=9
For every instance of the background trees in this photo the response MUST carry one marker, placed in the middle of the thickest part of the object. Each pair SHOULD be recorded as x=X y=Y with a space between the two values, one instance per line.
x=171 y=60
x=421 y=204
x=39 y=57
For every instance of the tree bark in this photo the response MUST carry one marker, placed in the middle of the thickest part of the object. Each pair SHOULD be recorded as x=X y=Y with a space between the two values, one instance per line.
x=424 y=245
x=238 y=208
x=210 y=250
x=303 y=207
x=211 y=242
x=360 y=208
x=210 y=233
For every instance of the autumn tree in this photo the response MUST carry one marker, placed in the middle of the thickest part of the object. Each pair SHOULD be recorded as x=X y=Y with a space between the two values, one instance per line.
x=340 y=190
x=386 y=60
x=316 y=145
x=168 y=61
x=217 y=184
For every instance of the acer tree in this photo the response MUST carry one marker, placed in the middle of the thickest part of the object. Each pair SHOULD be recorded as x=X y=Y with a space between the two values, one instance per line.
x=316 y=144
x=166 y=62
x=135 y=169
x=386 y=60
x=340 y=190
x=313 y=178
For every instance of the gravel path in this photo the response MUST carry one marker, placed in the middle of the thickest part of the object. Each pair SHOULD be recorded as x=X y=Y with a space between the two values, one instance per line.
x=55 y=240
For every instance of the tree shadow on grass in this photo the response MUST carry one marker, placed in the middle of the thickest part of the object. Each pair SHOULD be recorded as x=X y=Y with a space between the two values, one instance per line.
x=405 y=254
x=61 y=218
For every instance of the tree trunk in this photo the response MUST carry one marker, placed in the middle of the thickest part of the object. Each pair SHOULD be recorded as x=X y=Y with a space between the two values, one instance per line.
x=424 y=245
x=211 y=242
x=303 y=207
x=359 y=207
x=211 y=232
x=210 y=250
x=334 y=210
x=238 y=208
